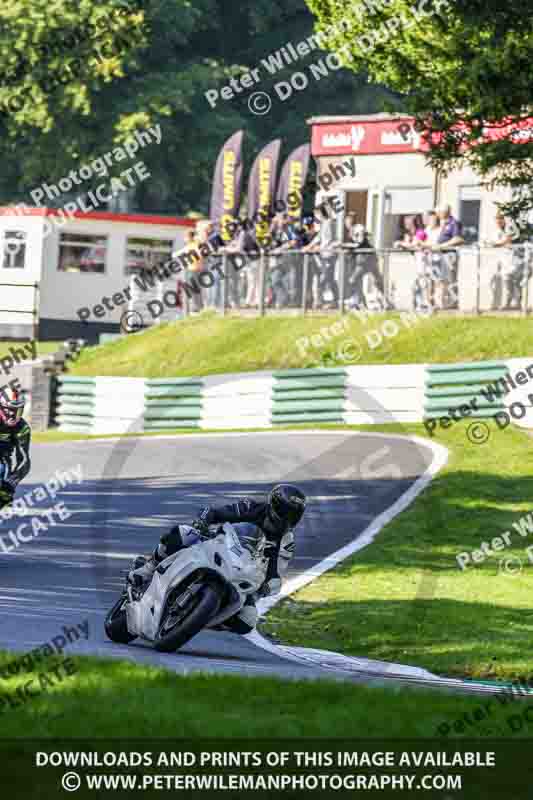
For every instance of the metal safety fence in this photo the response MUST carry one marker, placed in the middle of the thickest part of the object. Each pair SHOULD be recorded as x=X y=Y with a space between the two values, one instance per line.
x=468 y=279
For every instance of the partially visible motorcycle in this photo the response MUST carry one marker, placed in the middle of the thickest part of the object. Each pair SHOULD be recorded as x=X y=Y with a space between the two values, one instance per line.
x=198 y=587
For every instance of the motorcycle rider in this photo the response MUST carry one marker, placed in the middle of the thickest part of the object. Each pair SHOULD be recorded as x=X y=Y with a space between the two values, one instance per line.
x=276 y=517
x=15 y=436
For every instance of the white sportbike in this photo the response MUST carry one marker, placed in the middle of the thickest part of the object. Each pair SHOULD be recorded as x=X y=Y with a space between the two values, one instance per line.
x=198 y=587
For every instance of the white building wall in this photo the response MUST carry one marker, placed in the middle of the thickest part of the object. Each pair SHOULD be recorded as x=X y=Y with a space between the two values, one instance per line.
x=450 y=192
x=20 y=297
x=66 y=292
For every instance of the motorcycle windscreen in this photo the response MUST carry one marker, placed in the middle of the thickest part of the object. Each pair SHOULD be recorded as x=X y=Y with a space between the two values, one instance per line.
x=250 y=536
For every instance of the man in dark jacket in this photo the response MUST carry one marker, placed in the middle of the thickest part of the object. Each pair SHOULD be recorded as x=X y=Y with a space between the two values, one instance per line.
x=15 y=435
x=276 y=517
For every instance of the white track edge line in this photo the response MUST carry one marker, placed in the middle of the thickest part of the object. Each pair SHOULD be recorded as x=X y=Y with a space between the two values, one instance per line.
x=440 y=458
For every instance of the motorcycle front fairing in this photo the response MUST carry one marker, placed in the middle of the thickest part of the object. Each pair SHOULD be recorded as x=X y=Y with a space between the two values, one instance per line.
x=222 y=555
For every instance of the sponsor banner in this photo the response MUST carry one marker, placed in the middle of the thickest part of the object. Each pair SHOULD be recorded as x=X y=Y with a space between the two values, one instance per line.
x=226 y=192
x=376 y=137
x=261 y=188
x=292 y=181
x=367 y=138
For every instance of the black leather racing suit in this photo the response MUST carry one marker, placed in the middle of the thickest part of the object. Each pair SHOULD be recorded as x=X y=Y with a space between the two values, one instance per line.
x=14 y=457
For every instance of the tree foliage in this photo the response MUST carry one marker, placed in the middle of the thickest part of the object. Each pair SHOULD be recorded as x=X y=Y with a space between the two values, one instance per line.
x=81 y=76
x=460 y=67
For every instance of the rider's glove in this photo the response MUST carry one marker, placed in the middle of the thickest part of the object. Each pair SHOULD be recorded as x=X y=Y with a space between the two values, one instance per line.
x=272 y=586
x=201 y=526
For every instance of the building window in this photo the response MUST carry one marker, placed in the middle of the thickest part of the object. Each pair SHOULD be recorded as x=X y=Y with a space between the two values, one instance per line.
x=14 y=250
x=146 y=253
x=79 y=252
x=401 y=203
x=470 y=213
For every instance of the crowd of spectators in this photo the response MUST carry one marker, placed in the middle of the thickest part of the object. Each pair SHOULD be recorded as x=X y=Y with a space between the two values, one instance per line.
x=432 y=238
x=285 y=246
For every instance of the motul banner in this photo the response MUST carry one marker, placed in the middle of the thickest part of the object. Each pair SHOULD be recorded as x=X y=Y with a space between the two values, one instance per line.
x=226 y=192
x=261 y=188
x=292 y=181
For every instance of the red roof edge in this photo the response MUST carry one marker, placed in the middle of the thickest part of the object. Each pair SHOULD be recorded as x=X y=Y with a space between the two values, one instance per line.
x=110 y=216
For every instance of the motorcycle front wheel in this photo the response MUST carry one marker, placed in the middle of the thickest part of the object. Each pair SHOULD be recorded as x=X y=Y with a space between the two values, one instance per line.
x=180 y=623
x=115 y=624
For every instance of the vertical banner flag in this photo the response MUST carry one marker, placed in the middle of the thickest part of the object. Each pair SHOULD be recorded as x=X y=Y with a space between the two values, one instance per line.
x=292 y=181
x=261 y=188
x=226 y=192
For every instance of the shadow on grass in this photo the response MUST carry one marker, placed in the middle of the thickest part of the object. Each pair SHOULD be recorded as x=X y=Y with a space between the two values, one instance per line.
x=455 y=638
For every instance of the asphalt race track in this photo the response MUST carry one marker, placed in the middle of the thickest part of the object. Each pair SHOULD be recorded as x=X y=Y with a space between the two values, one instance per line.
x=134 y=488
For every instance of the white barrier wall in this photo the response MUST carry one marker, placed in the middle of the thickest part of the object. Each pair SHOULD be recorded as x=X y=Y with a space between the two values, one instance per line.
x=241 y=400
x=359 y=395
x=391 y=393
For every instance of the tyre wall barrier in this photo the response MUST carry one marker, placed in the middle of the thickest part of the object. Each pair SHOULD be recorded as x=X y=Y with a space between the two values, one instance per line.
x=502 y=390
x=355 y=395
x=172 y=403
x=455 y=385
x=308 y=395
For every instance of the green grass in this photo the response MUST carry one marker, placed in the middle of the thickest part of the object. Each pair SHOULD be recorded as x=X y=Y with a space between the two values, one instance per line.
x=42 y=347
x=106 y=698
x=404 y=599
x=207 y=345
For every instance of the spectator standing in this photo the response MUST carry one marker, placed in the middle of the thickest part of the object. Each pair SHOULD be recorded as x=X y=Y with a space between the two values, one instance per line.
x=423 y=286
x=328 y=263
x=450 y=237
x=512 y=273
x=214 y=294
x=431 y=228
x=194 y=265
x=364 y=283
x=282 y=239
x=506 y=233
x=350 y=228
x=414 y=233
x=312 y=248
x=302 y=236
x=248 y=245
x=242 y=243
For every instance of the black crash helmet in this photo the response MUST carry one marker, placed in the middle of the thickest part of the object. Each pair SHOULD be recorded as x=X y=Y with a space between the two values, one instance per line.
x=286 y=504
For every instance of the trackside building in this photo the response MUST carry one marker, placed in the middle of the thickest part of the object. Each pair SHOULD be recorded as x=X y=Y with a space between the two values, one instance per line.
x=52 y=265
x=392 y=176
x=393 y=179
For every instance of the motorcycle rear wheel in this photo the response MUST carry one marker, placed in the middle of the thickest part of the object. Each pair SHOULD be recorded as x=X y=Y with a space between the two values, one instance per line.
x=115 y=623
x=205 y=606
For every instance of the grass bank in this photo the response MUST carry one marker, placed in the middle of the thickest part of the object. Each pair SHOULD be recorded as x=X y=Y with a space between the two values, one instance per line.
x=43 y=348
x=106 y=698
x=405 y=599
x=207 y=345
